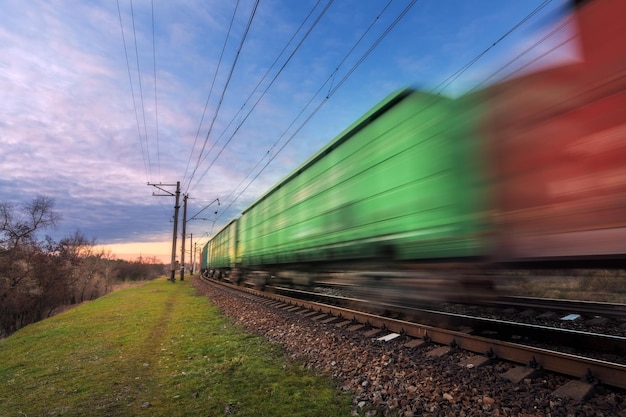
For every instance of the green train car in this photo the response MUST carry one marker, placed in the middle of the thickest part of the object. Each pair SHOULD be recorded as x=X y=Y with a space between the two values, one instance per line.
x=492 y=175
x=204 y=257
x=222 y=249
x=403 y=183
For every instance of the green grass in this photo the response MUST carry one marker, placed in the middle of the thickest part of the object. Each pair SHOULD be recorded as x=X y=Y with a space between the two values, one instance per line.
x=159 y=344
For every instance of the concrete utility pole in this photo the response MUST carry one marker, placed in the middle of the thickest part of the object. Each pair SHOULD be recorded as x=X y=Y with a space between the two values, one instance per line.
x=182 y=250
x=192 y=254
x=176 y=207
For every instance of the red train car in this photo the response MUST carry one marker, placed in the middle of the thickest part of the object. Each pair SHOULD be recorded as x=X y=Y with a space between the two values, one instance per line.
x=557 y=142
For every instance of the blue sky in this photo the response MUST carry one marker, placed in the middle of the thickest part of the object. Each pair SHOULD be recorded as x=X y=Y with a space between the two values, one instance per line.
x=72 y=127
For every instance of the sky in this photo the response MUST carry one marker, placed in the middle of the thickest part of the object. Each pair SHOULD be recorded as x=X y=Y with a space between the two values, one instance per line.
x=99 y=99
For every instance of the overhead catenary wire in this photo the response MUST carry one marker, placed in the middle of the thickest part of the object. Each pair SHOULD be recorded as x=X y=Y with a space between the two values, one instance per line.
x=143 y=108
x=145 y=152
x=527 y=50
x=206 y=104
x=132 y=92
x=359 y=41
x=372 y=47
x=228 y=79
x=267 y=87
x=446 y=83
x=259 y=84
x=156 y=106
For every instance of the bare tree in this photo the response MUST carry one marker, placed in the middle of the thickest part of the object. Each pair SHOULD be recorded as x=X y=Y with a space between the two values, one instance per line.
x=19 y=227
x=37 y=276
x=20 y=253
x=18 y=235
x=86 y=268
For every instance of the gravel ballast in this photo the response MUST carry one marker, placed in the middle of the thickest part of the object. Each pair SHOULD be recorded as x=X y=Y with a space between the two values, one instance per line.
x=387 y=378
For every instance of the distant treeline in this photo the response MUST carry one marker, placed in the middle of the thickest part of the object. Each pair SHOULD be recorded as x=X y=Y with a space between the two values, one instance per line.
x=40 y=276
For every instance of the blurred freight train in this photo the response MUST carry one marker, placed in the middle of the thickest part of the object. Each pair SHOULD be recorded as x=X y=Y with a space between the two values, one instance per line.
x=530 y=169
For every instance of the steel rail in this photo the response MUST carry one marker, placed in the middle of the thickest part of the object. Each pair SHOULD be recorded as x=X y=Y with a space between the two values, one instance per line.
x=588 y=308
x=583 y=340
x=608 y=373
x=613 y=310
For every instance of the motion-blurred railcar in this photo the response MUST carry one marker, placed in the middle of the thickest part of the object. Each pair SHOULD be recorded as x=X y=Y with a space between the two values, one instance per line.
x=204 y=258
x=403 y=182
x=222 y=250
x=529 y=169
x=556 y=141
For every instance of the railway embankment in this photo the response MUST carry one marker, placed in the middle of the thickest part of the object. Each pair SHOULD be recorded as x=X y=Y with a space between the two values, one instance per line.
x=155 y=350
x=398 y=378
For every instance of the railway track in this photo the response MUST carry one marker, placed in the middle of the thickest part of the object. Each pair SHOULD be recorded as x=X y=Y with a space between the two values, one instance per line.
x=584 y=341
x=614 y=311
x=458 y=335
x=594 y=309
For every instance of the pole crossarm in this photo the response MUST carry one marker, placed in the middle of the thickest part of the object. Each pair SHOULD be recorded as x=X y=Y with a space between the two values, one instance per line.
x=160 y=187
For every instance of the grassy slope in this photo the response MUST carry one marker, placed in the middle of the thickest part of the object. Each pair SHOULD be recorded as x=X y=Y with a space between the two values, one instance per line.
x=157 y=343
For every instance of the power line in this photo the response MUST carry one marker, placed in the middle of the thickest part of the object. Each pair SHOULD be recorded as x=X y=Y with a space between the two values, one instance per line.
x=373 y=46
x=519 y=56
x=257 y=87
x=228 y=79
x=132 y=91
x=446 y=83
x=219 y=64
x=266 y=89
x=156 y=107
x=143 y=108
x=359 y=41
